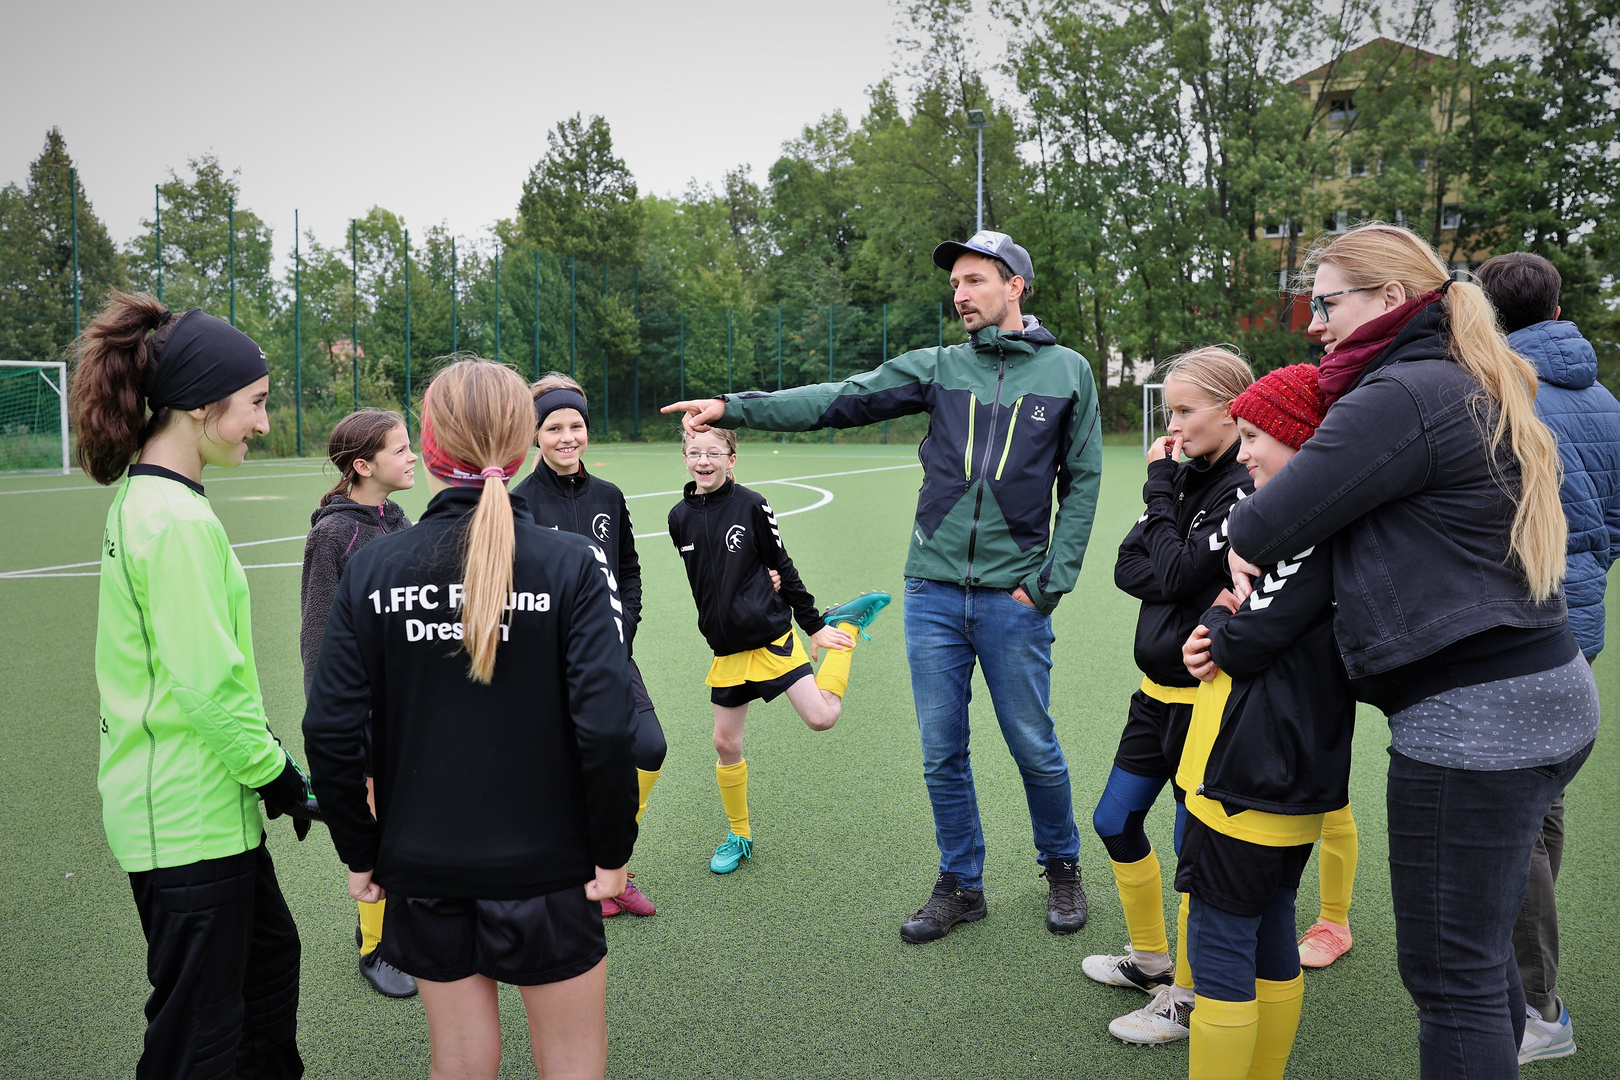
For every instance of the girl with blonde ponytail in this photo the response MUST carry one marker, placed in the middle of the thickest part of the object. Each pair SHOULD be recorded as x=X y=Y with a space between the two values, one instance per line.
x=488 y=654
x=1441 y=488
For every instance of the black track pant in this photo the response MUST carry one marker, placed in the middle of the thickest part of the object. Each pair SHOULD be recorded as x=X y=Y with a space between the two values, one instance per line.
x=222 y=956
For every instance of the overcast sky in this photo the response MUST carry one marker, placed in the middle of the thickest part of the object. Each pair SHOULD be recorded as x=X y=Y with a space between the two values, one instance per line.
x=435 y=111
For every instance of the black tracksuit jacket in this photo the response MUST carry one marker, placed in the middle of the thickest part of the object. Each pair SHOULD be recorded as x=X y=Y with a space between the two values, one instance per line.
x=1284 y=744
x=587 y=505
x=1174 y=559
x=729 y=541
x=336 y=531
x=510 y=790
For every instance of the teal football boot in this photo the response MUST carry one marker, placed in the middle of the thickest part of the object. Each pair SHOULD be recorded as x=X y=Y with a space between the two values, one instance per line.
x=859 y=612
x=730 y=854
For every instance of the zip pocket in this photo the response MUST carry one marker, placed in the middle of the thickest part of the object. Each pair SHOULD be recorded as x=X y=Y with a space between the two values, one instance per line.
x=967 y=456
x=1007 y=447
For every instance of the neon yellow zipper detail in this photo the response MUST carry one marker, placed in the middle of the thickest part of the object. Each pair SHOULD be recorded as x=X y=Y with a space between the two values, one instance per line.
x=967 y=457
x=1008 y=446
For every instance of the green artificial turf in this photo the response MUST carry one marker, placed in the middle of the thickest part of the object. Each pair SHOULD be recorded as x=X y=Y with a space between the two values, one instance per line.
x=792 y=966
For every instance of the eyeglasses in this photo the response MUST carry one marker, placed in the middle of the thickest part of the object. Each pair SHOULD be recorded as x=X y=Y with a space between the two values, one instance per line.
x=1320 y=308
x=712 y=455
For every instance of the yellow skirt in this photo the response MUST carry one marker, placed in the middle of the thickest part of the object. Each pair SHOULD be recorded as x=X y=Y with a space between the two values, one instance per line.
x=764 y=665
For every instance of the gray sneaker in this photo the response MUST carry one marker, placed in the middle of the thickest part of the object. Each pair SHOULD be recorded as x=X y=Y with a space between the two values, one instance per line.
x=947 y=906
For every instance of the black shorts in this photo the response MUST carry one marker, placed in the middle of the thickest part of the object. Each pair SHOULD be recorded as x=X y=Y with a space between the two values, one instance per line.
x=732 y=697
x=541 y=939
x=1235 y=875
x=1155 y=731
x=638 y=690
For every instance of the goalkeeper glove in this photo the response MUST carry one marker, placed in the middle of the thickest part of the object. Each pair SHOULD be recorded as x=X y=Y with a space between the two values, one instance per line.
x=289 y=793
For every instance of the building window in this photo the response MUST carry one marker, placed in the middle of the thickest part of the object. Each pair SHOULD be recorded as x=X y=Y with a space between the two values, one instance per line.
x=1281 y=277
x=1330 y=167
x=1336 y=222
x=1278 y=229
x=1358 y=166
x=1341 y=110
x=1451 y=217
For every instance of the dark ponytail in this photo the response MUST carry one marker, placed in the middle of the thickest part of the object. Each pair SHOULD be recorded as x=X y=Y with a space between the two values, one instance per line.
x=107 y=401
x=359 y=436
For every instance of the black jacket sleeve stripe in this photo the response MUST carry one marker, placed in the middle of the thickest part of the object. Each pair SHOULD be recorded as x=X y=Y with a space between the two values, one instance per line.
x=600 y=705
x=773 y=553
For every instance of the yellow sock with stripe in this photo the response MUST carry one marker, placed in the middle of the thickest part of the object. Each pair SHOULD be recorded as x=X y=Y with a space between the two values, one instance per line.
x=1184 y=971
x=733 y=780
x=1336 y=865
x=834 y=674
x=1280 y=1005
x=371 y=922
x=1141 y=894
x=1223 y=1039
x=645 y=781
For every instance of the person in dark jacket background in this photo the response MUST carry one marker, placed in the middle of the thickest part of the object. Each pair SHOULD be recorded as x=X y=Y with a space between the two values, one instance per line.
x=562 y=495
x=1174 y=561
x=1585 y=417
x=371 y=449
x=1266 y=760
x=1439 y=487
x=505 y=791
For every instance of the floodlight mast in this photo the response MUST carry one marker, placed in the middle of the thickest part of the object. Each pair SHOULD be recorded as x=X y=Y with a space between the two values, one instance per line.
x=977 y=123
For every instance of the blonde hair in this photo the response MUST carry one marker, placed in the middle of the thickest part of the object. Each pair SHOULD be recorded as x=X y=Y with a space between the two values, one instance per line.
x=1375 y=254
x=482 y=414
x=556 y=380
x=1218 y=370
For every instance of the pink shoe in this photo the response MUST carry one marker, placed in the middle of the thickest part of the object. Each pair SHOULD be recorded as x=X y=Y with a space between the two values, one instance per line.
x=634 y=900
x=611 y=908
x=1323 y=943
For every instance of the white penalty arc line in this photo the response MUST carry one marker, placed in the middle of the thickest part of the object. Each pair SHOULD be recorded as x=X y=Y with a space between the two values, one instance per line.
x=826 y=497
x=47 y=571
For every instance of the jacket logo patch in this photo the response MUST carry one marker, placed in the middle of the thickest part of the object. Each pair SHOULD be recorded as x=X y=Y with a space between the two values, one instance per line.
x=1039 y=414
x=734 y=537
x=688 y=547
x=599 y=526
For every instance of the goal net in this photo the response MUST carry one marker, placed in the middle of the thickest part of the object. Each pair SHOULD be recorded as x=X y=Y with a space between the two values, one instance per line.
x=33 y=416
x=1152 y=413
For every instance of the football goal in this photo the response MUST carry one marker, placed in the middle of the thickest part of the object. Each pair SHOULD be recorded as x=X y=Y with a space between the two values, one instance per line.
x=1152 y=408
x=33 y=416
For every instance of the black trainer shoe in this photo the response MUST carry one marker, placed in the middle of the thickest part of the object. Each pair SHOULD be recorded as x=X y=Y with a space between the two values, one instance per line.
x=1065 y=897
x=948 y=906
x=385 y=978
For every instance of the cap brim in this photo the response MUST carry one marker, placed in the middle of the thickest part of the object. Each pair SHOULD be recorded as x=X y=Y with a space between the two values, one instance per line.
x=946 y=254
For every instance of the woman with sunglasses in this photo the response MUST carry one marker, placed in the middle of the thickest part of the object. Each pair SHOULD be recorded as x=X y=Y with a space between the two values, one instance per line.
x=1442 y=489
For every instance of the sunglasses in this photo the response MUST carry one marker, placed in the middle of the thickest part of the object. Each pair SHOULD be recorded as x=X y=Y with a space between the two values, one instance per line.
x=1319 y=305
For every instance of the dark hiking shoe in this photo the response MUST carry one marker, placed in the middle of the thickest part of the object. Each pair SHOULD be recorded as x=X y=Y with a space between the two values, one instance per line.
x=1065 y=897
x=948 y=906
x=385 y=978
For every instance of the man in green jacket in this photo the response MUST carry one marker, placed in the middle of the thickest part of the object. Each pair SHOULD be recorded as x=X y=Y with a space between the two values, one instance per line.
x=1014 y=426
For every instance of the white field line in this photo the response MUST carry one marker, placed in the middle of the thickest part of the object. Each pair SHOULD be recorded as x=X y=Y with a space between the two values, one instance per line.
x=65 y=570
x=211 y=481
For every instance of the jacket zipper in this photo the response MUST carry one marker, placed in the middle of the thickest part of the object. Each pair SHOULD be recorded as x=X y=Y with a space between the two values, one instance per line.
x=1013 y=426
x=989 y=445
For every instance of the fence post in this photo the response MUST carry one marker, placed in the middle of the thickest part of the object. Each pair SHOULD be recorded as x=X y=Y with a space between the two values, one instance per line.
x=455 y=340
x=829 y=359
x=73 y=209
x=942 y=324
x=354 y=310
x=573 y=316
x=497 y=304
x=683 y=355
x=779 y=346
x=883 y=359
x=605 y=428
x=157 y=218
x=407 y=335
x=635 y=409
x=230 y=218
x=298 y=337
x=730 y=378
x=536 y=357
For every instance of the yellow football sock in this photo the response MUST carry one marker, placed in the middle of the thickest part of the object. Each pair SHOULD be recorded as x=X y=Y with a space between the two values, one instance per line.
x=1141 y=894
x=645 y=781
x=733 y=780
x=1184 y=971
x=1280 y=1004
x=1223 y=1039
x=834 y=674
x=371 y=920
x=1336 y=865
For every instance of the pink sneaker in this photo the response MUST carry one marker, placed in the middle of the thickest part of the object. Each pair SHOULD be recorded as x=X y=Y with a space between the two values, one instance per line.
x=634 y=900
x=611 y=908
x=1323 y=943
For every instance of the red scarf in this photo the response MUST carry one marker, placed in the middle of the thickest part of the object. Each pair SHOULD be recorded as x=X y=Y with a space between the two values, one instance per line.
x=453 y=471
x=1350 y=357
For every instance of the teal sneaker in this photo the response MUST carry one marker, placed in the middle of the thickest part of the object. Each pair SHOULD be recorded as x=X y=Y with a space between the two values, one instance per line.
x=731 y=853
x=860 y=611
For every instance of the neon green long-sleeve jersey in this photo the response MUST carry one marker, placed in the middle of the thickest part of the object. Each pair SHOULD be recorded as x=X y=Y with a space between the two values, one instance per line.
x=184 y=740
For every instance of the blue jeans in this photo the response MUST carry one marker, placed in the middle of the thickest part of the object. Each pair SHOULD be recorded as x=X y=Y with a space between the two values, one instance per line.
x=948 y=628
x=1459 y=861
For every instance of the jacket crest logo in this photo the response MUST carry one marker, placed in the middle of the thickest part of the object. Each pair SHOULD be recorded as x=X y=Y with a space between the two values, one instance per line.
x=1039 y=414
x=734 y=537
x=599 y=526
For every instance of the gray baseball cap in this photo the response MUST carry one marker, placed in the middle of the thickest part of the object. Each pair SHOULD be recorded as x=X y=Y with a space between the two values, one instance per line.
x=987 y=242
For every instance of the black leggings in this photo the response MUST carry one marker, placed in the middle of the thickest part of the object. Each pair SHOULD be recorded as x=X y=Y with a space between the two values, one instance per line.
x=649 y=733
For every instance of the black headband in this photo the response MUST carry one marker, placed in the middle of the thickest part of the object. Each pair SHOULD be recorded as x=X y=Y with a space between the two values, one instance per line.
x=200 y=360
x=560 y=397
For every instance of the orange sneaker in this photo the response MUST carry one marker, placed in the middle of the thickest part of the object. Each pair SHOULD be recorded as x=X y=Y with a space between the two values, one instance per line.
x=1323 y=943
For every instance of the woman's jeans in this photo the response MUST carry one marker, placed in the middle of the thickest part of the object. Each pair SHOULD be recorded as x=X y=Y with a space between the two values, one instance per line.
x=1459 y=860
x=948 y=628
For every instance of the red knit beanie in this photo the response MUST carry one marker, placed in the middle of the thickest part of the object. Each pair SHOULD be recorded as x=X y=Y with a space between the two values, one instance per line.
x=1286 y=404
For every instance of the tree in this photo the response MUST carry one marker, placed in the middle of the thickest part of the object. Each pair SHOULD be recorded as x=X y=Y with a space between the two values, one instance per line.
x=580 y=200
x=36 y=257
